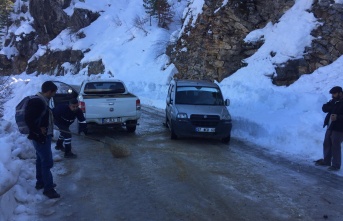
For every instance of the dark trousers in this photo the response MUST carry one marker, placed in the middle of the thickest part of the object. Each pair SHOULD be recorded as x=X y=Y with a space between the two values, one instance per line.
x=65 y=136
x=332 y=148
x=44 y=163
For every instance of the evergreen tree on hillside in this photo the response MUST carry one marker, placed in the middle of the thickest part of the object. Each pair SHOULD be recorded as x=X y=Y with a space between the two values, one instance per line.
x=160 y=9
x=5 y=10
x=150 y=7
x=164 y=13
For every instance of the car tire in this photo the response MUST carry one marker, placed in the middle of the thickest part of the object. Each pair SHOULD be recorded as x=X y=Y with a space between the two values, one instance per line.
x=226 y=140
x=166 y=122
x=131 y=126
x=131 y=129
x=173 y=136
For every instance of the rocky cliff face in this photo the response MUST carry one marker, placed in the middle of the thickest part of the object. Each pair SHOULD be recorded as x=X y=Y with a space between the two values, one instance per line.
x=49 y=20
x=215 y=46
x=328 y=45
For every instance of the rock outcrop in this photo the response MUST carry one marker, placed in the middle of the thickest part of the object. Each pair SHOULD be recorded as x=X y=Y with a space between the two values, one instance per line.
x=49 y=20
x=214 y=48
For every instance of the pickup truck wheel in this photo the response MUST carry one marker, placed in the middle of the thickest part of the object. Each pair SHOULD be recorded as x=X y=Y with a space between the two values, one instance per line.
x=131 y=126
x=131 y=129
x=227 y=139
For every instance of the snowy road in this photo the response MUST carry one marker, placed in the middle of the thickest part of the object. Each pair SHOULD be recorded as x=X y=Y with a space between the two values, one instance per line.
x=187 y=179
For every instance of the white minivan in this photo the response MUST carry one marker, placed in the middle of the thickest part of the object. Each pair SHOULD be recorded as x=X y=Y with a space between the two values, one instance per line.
x=196 y=108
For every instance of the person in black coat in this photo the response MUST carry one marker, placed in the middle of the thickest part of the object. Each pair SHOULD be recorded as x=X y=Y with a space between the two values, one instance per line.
x=334 y=133
x=64 y=116
x=39 y=119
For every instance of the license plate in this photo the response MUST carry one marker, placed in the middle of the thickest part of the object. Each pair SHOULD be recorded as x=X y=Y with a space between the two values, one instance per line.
x=111 y=120
x=205 y=129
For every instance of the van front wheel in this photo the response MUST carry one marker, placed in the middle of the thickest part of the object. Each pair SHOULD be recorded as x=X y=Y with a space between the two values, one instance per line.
x=173 y=135
x=166 y=122
x=227 y=139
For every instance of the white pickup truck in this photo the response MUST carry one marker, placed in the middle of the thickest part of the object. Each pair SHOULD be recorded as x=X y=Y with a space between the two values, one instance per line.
x=108 y=103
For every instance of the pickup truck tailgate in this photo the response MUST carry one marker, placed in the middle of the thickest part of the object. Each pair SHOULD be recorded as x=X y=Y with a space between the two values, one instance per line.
x=110 y=107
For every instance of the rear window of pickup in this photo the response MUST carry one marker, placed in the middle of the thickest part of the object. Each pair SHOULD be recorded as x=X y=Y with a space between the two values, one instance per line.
x=104 y=88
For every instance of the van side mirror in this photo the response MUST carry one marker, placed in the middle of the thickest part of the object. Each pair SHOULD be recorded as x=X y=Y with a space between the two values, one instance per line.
x=52 y=103
x=227 y=102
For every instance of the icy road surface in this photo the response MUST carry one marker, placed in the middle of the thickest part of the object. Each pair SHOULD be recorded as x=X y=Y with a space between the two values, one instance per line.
x=187 y=179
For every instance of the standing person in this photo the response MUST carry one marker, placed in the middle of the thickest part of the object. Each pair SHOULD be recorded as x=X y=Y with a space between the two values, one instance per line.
x=64 y=116
x=334 y=133
x=39 y=119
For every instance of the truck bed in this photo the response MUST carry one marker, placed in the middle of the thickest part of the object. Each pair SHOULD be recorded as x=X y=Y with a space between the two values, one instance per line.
x=107 y=102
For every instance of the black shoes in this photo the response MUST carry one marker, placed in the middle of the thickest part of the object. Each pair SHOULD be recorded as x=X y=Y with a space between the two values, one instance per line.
x=332 y=168
x=60 y=147
x=51 y=194
x=41 y=186
x=321 y=162
x=70 y=155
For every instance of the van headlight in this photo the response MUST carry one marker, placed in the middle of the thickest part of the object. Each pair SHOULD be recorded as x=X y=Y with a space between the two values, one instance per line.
x=226 y=117
x=182 y=115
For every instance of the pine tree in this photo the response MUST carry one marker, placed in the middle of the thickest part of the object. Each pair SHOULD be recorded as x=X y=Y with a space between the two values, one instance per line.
x=164 y=13
x=160 y=9
x=150 y=7
x=5 y=10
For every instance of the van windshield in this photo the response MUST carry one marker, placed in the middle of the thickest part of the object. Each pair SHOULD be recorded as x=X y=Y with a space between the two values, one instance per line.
x=197 y=95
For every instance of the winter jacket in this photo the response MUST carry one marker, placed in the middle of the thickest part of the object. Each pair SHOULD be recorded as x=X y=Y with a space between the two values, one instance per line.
x=64 y=116
x=334 y=107
x=37 y=116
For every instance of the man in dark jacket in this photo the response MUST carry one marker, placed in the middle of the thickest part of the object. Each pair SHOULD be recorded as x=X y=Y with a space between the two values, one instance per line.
x=64 y=116
x=334 y=133
x=39 y=119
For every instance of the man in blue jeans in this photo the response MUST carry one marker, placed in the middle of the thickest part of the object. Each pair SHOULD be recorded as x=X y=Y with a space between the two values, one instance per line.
x=39 y=119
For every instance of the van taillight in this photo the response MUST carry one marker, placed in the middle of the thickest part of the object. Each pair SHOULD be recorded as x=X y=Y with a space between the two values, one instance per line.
x=82 y=106
x=138 y=104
